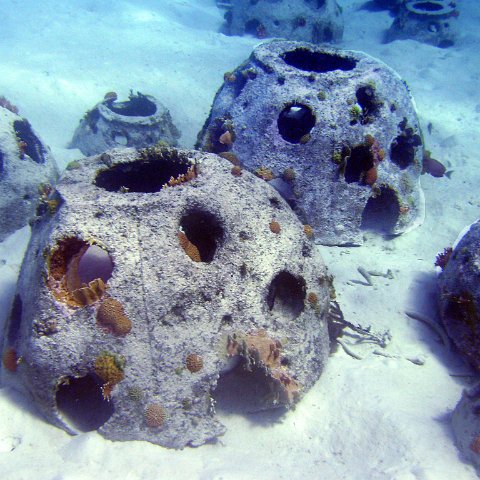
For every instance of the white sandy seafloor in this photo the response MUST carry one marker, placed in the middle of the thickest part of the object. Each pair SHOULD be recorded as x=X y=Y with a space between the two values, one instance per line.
x=374 y=418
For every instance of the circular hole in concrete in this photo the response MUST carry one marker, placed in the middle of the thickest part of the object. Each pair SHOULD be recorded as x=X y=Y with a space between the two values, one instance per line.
x=135 y=106
x=81 y=403
x=360 y=161
x=204 y=233
x=366 y=99
x=286 y=295
x=402 y=149
x=240 y=391
x=381 y=211
x=321 y=62
x=252 y=26
x=426 y=6
x=120 y=138
x=78 y=271
x=156 y=169
x=295 y=121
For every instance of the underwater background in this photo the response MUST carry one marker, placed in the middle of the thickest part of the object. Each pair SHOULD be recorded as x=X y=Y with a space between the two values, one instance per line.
x=371 y=417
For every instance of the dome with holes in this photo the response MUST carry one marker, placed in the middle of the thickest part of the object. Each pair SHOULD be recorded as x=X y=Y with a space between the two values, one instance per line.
x=138 y=122
x=27 y=173
x=335 y=132
x=316 y=21
x=160 y=286
x=428 y=21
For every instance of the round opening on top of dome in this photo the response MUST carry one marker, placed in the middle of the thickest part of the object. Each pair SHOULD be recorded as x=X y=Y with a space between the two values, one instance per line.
x=429 y=7
x=320 y=62
x=156 y=168
x=136 y=106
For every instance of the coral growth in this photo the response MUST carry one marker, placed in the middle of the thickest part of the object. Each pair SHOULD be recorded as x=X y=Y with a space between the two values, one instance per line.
x=236 y=171
x=194 y=362
x=182 y=178
x=442 y=258
x=155 y=415
x=312 y=298
x=10 y=359
x=112 y=317
x=289 y=174
x=259 y=350
x=109 y=368
x=264 y=173
x=475 y=445
x=308 y=230
x=190 y=249
x=226 y=138
x=274 y=227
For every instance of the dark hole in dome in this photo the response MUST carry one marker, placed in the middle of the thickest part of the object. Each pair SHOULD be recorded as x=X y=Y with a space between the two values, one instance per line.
x=244 y=392
x=1 y=162
x=204 y=231
x=253 y=2
x=360 y=161
x=320 y=3
x=381 y=211
x=295 y=121
x=144 y=176
x=251 y=27
x=366 y=99
x=15 y=320
x=402 y=149
x=32 y=145
x=135 y=106
x=81 y=402
x=427 y=6
x=309 y=61
x=286 y=295
x=240 y=82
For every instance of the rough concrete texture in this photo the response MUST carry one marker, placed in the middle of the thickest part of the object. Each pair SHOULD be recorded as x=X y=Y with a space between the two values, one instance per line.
x=27 y=171
x=316 y=21
x=459 y=285
x=428 y=21
x=466 y=426
x=334 y=131
x=138 y=122
x=145 y=295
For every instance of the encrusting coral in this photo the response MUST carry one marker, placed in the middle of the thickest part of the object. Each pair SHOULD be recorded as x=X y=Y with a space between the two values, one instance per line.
x=190 y=249
x=194 y=362
x=259 y=350
x=112 y=317
x=109 y=368
x=274 y=227
x=10 y=360
x=155 y=415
